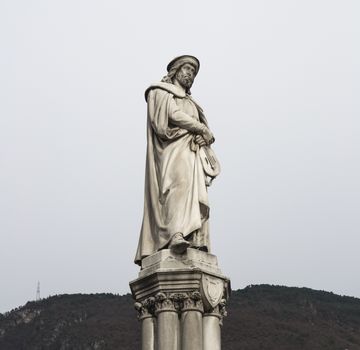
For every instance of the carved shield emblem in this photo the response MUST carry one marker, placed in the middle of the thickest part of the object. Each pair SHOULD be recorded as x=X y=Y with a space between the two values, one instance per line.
x=213 y=289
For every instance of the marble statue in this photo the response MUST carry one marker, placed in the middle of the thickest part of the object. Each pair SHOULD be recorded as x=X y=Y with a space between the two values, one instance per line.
x=179 y=165
x=180 y=293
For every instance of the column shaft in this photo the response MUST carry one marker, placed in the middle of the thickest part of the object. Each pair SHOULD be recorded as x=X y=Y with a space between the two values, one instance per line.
x=148 y=333
x=191 y=330
x=168 y=330
x=212 y=332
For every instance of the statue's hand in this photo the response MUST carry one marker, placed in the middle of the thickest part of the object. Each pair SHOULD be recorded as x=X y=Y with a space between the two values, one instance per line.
x=200 y=140
x=208 y=136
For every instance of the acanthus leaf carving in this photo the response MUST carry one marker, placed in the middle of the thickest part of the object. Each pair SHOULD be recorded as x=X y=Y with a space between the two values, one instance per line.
x=164 y=302
x=145 y=308
x=193 y=301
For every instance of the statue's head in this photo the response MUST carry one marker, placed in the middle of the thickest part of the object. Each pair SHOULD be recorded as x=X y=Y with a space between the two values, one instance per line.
x=183 y=70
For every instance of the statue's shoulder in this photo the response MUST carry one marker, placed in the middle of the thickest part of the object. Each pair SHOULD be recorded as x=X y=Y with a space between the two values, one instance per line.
x=167 y=87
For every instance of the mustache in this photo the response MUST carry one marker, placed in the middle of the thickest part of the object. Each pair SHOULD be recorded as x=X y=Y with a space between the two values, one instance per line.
x=185 y=79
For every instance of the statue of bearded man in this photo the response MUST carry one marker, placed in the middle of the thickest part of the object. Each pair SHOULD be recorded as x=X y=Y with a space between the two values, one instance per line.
x=176 y=209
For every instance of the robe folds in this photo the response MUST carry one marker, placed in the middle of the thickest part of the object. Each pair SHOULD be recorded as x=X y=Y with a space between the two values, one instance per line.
x=176 y=197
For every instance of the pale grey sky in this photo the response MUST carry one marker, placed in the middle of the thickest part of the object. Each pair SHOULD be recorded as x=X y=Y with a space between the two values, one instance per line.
x=280 y=85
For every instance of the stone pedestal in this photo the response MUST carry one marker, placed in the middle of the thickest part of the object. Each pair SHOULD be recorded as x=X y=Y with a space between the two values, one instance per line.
x=181 y=301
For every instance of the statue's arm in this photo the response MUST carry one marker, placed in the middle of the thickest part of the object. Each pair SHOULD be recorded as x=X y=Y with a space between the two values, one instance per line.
x=184 y=121
x=164 y=113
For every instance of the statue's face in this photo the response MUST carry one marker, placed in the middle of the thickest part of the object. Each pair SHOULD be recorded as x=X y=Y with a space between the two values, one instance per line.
x=186 y=75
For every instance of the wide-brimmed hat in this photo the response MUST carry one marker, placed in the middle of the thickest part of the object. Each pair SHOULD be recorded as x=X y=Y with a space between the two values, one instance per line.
x=181 y=60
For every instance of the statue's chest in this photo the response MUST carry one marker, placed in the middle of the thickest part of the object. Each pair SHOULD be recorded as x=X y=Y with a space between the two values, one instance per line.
x=188 y=107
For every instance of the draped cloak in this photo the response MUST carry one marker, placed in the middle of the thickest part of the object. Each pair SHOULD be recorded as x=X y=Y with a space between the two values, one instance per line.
x=176 y=197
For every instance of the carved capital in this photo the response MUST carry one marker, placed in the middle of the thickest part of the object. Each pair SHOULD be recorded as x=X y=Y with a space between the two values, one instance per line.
x=145 y=308
x=178 y=299
x=218 y=311
x=215 y=312
x=165 y=302
x=193 y=302
x=178 y=302
x=222 y=309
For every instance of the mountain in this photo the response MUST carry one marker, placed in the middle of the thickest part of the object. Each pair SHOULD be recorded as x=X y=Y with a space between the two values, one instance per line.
x=259 y=317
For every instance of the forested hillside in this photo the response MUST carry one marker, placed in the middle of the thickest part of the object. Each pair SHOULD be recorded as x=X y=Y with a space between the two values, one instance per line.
x=259 y=317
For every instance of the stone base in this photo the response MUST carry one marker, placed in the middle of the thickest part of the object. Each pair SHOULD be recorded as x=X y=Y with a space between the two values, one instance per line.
x=192 y=259
x=181 y=300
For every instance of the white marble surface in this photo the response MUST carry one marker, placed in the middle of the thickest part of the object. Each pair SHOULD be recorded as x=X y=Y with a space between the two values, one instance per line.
x=192 y=259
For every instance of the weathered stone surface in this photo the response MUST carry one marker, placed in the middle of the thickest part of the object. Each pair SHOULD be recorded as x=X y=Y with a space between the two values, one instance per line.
x=184 y=296
x=179 y=280
x=168 y=272
x=192 y=259
x=180 y=165
x=212 y=331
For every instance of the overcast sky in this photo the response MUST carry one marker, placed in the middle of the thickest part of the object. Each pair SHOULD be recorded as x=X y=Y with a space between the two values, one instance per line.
x=280 y=84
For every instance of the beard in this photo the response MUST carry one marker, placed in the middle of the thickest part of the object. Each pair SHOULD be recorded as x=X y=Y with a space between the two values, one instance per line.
x=184 y=80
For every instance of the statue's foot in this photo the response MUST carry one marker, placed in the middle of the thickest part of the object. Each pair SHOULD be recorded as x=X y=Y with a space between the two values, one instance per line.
x=178 y=244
